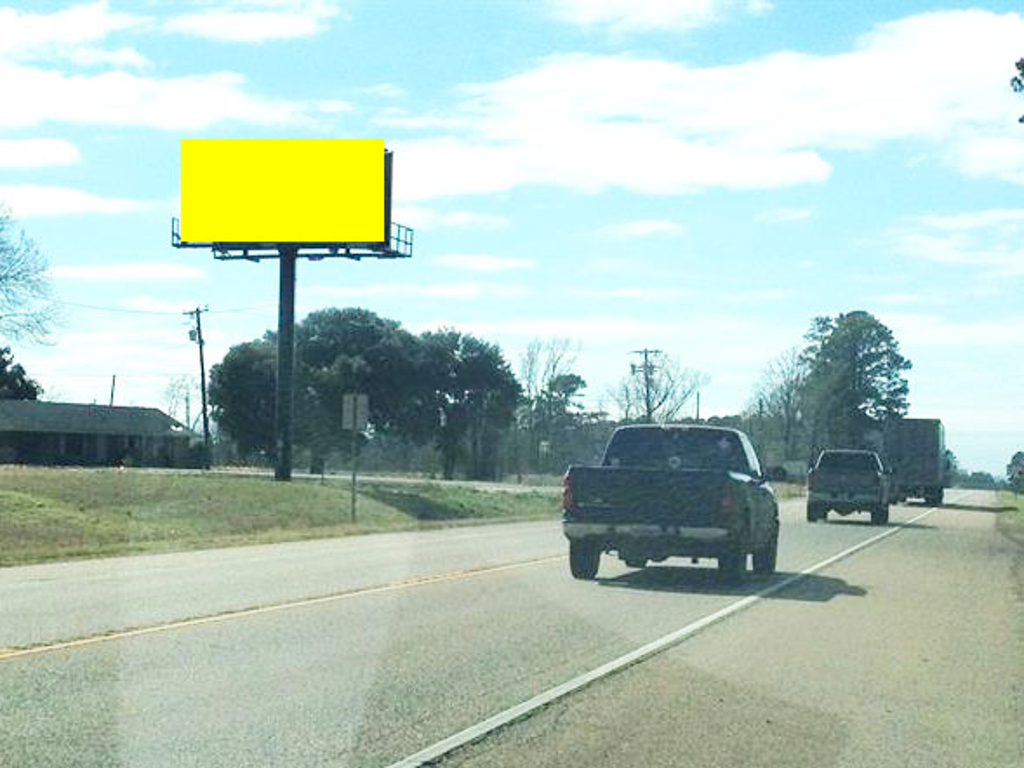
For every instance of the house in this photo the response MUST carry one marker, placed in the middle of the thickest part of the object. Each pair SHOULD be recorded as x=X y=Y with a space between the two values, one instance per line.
x=34 y=432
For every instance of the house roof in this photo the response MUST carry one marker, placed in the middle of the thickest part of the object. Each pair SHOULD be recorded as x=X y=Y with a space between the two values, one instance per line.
x=78 y=418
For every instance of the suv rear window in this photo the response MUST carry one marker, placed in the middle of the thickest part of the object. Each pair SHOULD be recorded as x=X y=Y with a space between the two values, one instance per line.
x=857 y=461
x=658 y=448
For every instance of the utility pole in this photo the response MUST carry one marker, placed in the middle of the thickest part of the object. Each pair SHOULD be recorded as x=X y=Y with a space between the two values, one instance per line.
x=698 y=406
x=648 y=368
x=196 y=335
x=113 y=383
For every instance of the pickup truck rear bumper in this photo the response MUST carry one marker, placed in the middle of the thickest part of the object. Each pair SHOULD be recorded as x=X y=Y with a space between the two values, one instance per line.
x=642 y=531
x=844 y=501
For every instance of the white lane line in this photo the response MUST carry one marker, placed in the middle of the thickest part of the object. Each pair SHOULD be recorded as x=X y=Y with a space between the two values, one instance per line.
x=417 y=581
x=475 y=732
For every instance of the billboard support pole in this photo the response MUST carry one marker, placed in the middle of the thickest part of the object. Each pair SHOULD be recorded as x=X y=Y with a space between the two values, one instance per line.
x=285 y=362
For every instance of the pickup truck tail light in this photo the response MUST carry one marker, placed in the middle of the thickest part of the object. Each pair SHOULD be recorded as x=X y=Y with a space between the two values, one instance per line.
x=567 y=500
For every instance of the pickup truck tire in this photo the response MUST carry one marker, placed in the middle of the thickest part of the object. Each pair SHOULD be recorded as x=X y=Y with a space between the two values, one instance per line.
x=584 y=559
x=880 y=515
x=732 y=566
x=812 y=513
x=766 y=557
x=934 y=499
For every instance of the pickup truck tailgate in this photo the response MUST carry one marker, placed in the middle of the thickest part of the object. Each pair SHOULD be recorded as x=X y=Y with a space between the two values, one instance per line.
x=845 y=480
x=653 y=496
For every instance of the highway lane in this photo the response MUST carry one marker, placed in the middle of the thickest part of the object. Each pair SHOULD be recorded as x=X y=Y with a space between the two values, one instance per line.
x=927 y=670
x=369 y=680
x=61 y=601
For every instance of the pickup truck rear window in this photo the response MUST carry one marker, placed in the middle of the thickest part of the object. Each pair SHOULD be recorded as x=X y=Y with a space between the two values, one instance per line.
x=676 y=449
x=849 y=460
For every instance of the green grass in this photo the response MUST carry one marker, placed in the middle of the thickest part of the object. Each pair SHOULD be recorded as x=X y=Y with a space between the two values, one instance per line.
x=59 y=514
x=1011 y=521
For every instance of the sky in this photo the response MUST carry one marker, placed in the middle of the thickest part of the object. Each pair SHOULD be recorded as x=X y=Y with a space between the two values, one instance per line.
x=701 y=177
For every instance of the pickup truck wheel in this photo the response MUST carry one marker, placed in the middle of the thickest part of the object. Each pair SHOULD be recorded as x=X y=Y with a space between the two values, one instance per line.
x=880 y=515
x=934 y=499
x=765 y=558
x=731 y=566
x=584 y=559
x=812 y=514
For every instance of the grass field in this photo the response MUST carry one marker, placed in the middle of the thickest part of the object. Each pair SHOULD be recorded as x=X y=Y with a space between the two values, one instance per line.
x=1011 y=522
x=60 y=513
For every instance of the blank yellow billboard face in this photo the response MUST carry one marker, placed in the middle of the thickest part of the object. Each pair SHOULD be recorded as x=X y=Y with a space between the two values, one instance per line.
x=282 y=190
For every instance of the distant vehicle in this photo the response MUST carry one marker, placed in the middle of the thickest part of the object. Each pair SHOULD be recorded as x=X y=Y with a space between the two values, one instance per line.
x=916 y=451
x=848 y=481
x=673 y=490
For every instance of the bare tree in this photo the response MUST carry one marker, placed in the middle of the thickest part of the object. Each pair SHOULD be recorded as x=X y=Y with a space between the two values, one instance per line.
x=24 y=288
x=542 y=361
x=778 y=396
x=180 y=390
x=665 y=384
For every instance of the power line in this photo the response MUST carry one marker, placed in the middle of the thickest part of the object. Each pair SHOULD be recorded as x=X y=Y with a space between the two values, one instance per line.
x=165 y=313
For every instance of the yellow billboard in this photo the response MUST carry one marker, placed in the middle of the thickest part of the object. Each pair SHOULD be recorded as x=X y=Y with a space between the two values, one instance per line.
x=282 y=190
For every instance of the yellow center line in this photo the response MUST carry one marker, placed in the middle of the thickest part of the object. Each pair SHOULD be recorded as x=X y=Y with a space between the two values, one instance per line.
x=418 y=581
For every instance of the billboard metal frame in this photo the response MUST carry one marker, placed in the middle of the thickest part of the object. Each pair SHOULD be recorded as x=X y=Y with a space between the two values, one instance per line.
x=398 y=246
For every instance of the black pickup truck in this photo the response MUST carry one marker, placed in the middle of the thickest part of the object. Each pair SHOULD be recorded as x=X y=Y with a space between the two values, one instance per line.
x=848 y=481
x=673 y=490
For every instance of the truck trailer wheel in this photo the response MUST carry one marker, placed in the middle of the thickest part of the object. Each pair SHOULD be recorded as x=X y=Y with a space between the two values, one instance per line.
x=584 y=559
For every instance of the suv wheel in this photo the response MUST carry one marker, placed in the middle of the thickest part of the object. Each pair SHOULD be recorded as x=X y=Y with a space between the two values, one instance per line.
x=584 y=559
x=766 y=557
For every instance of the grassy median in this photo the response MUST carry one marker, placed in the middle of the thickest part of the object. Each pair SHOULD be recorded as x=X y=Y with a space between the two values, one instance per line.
x=60 y=514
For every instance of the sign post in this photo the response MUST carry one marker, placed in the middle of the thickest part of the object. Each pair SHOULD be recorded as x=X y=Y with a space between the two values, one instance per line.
x=355 y=412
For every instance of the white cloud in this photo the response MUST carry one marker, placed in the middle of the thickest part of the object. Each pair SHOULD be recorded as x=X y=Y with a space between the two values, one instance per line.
x=992 y=240
x=36 y=95
x=993 y=217
x=127 y=272
x=1000 y=157
x=384 y=91
x=37 y=153
x=784 y=215
x=631 y=292
x=248 y=23
x=643 y=228
x=482 y=263
x=118 y=57
x=71 y=34
x=930 y=330
x=461 y=290
x=31 y=200
x=899 y=299
x=620 y=16
x=596 y=122
x=419 y=217
x=333 y=106
x=41 y=35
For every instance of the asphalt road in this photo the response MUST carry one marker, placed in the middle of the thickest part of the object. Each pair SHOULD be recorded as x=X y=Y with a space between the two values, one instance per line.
x=908 y=652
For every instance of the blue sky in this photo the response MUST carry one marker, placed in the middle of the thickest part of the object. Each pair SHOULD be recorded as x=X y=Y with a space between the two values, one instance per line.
x=700 y=176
